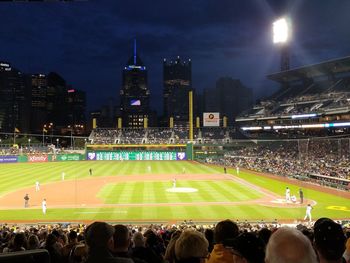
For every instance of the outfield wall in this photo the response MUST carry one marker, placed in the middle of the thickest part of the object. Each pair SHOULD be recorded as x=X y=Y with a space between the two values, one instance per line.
x=35 y=158
x=98 y=156
x=136 y=156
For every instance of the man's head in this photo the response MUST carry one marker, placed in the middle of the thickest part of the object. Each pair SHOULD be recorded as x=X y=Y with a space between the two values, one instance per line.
x=247 y=246
x=121 y=237
x=138 y=240
x=191 y=245
x=289 y=245
x=329 y=239
x=99 y=235
x=226 y=229
x=72 y=236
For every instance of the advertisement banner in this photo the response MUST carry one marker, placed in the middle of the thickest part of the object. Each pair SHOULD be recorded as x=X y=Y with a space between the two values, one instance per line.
x=211 y=119
x=8 y=159
x=67 y=157
x=37 y=158
x=22 y=158
x=136 y=156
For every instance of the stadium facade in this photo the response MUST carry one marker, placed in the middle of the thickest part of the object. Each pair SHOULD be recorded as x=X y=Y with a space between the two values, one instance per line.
x=312 y=100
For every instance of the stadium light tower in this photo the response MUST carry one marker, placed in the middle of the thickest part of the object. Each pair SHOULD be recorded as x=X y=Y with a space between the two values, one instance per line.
x=281 y=36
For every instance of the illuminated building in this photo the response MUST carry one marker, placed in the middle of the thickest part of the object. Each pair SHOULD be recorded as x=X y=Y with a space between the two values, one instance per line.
x=13 y=104
x=134 y=94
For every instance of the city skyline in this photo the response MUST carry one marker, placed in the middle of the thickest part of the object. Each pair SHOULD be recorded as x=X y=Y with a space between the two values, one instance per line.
x=87 y=43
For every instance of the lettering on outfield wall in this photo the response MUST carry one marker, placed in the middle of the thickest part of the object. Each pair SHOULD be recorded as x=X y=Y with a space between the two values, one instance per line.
x=339 y=208
x=37 y=158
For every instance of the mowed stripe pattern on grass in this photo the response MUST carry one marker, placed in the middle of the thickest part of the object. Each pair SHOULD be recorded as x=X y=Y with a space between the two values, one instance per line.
x=156 y=192
x=15 y=176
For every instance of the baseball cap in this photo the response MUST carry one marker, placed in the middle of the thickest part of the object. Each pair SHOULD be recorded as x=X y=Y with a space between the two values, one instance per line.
x=329 y=238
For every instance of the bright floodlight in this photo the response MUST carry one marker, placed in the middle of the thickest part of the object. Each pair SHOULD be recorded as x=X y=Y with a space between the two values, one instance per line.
x=280 y=31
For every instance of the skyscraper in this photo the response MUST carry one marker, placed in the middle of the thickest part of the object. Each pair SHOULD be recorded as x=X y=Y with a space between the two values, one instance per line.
x=177 y=82
x=14 y=105
x=56 y=99
x=76 y=103
x=230 y=97
x=38 y=113
x=134 y=94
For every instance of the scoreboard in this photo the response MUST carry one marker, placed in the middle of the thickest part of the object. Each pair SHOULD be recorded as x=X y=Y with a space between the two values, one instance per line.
x=135 y=156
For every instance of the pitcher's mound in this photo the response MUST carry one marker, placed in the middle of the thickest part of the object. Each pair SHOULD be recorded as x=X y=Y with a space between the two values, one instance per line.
x=182 y=190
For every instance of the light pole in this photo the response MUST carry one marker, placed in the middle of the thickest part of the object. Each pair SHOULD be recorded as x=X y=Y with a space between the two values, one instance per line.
x=29 y=143
x=71 y=138
x=51 y=127
x=281 y=37
x=44 y=131
x=57 y=140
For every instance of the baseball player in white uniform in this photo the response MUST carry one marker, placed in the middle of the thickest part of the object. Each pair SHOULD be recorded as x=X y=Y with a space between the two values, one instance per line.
x=308 y=212
x=287 y=194
x=37 y=186
x=43 y=206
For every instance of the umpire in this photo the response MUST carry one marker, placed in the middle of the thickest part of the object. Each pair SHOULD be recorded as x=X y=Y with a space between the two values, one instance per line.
x=301 y=195
x=26 y=200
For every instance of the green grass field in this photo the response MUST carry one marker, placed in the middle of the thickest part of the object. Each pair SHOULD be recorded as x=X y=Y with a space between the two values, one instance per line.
x=155 y=192
x=147 y=201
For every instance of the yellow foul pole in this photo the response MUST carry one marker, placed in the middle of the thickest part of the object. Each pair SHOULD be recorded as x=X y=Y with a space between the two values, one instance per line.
x=190 y=112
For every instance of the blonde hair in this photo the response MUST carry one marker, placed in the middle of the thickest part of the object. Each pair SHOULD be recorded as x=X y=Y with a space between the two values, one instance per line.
x=191 y=244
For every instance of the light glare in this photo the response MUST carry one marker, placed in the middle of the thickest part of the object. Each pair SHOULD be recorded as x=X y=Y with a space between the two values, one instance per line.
x=280 y=31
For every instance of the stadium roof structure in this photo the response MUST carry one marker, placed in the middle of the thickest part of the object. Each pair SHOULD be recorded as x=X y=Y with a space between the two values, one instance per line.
x=330 y=67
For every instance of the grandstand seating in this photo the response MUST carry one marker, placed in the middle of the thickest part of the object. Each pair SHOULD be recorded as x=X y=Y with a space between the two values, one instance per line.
x=323 y=160
x=205 y=135
x=303 y=95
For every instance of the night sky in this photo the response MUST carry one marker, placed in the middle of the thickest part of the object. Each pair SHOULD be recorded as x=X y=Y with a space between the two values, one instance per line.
x=89 y=43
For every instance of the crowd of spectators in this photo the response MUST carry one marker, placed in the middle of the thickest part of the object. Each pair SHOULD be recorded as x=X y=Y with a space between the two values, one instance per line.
x=226 y=241
x=326 y=159
x=318 y=98
x=104 y=136
x=32 y=150
x=177 y=135
x=161 y=135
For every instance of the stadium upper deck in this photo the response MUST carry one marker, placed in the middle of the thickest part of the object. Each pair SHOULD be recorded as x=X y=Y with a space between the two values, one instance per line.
x=314 y=96
x=203 y=135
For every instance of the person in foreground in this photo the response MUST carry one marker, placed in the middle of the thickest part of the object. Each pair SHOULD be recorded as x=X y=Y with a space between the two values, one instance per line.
x=224 y=230
x=99 y=238
x=289 y=245
x=246 y=248
x=191 y=247
x=329 y=241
